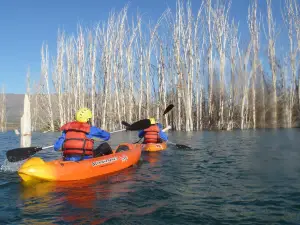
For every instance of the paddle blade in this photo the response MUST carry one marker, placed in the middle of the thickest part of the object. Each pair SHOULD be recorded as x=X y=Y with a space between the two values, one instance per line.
x=180 y=146
x=168 y=109
x=139 y=125
x=183 y=146
x=19 y=154
x=125 y=124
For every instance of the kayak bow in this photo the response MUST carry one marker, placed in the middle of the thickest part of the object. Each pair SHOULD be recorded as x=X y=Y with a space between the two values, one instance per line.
x=154 y=147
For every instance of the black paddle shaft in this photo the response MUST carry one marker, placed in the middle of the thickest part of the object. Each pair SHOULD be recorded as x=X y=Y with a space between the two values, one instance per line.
x=168 y=109
x=125 y=124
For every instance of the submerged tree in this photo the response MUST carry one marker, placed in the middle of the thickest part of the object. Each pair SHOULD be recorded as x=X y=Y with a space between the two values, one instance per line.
x=3 y=110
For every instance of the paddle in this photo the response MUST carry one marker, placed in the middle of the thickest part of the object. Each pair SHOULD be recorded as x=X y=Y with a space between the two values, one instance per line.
x=19 y=154
x=125 y=124
x=139 y=125
x=145 y=121
x=168 y=109
x=169 y=142
x=179 y=145
x=167 y=128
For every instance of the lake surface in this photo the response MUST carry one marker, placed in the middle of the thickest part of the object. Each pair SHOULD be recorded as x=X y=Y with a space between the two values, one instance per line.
x=239 y=177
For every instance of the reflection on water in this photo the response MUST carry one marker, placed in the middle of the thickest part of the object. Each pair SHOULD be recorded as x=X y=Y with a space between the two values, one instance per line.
x=152 y=157
x=70 y=198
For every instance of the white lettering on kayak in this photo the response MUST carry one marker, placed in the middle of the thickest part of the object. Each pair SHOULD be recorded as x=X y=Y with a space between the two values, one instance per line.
x=124 y=158
x=156 y=145
x=104 y=161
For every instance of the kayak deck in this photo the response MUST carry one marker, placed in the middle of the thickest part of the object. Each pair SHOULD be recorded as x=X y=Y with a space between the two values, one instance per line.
x=124 y=156
x=154 y=147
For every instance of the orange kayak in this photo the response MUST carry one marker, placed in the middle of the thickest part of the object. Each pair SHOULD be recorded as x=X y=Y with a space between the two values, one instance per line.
x=124 y=156
x=154 y=147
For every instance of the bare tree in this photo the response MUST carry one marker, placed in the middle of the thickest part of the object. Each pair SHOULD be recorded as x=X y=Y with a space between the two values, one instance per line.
x=271 y=53
x=45 y=86
x=233 y=51
x=221 y=26
x=58 y=76
x=210 y=60
x=254 y=32
x=290 y=17
x=3 y=110
x=245 y=91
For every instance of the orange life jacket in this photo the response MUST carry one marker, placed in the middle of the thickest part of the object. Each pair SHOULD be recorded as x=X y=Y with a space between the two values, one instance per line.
x=76 y=142
x=151 y=134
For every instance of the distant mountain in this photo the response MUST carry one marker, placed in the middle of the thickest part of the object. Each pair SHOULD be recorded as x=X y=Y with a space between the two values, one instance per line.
x=14 y=107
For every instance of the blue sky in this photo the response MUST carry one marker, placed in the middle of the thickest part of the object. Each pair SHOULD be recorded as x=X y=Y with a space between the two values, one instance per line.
x=25 y=25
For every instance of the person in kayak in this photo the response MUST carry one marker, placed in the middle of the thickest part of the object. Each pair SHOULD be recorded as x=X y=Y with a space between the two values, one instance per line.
x=154 y=133
x=76 y=140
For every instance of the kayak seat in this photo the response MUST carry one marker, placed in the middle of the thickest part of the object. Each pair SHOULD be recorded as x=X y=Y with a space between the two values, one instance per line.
x=122 y=148
x=102 y=149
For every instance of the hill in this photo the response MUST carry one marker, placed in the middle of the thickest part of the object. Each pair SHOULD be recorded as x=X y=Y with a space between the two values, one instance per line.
x=14 y=108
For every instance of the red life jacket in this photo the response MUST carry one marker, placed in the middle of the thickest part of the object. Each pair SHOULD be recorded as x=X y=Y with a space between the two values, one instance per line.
x=76 y=142
x=151 y=134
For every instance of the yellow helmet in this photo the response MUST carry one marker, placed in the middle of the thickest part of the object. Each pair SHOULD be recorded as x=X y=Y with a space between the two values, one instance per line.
x=83 y=115
x=152 y=120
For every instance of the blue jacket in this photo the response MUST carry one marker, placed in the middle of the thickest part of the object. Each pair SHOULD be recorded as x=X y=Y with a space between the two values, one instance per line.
x=94 y=132
x=162 y=134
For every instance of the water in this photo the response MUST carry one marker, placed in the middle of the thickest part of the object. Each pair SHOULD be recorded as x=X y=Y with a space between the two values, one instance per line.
x=239 y=177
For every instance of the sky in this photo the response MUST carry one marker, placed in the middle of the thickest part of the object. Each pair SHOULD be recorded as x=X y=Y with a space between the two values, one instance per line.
x=26 y=25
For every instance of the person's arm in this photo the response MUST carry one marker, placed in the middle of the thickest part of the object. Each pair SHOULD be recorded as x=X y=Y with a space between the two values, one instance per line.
x=58 y=144
x=98 y=133
x=141 y=134
x=163 y=135
x=160 y=126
